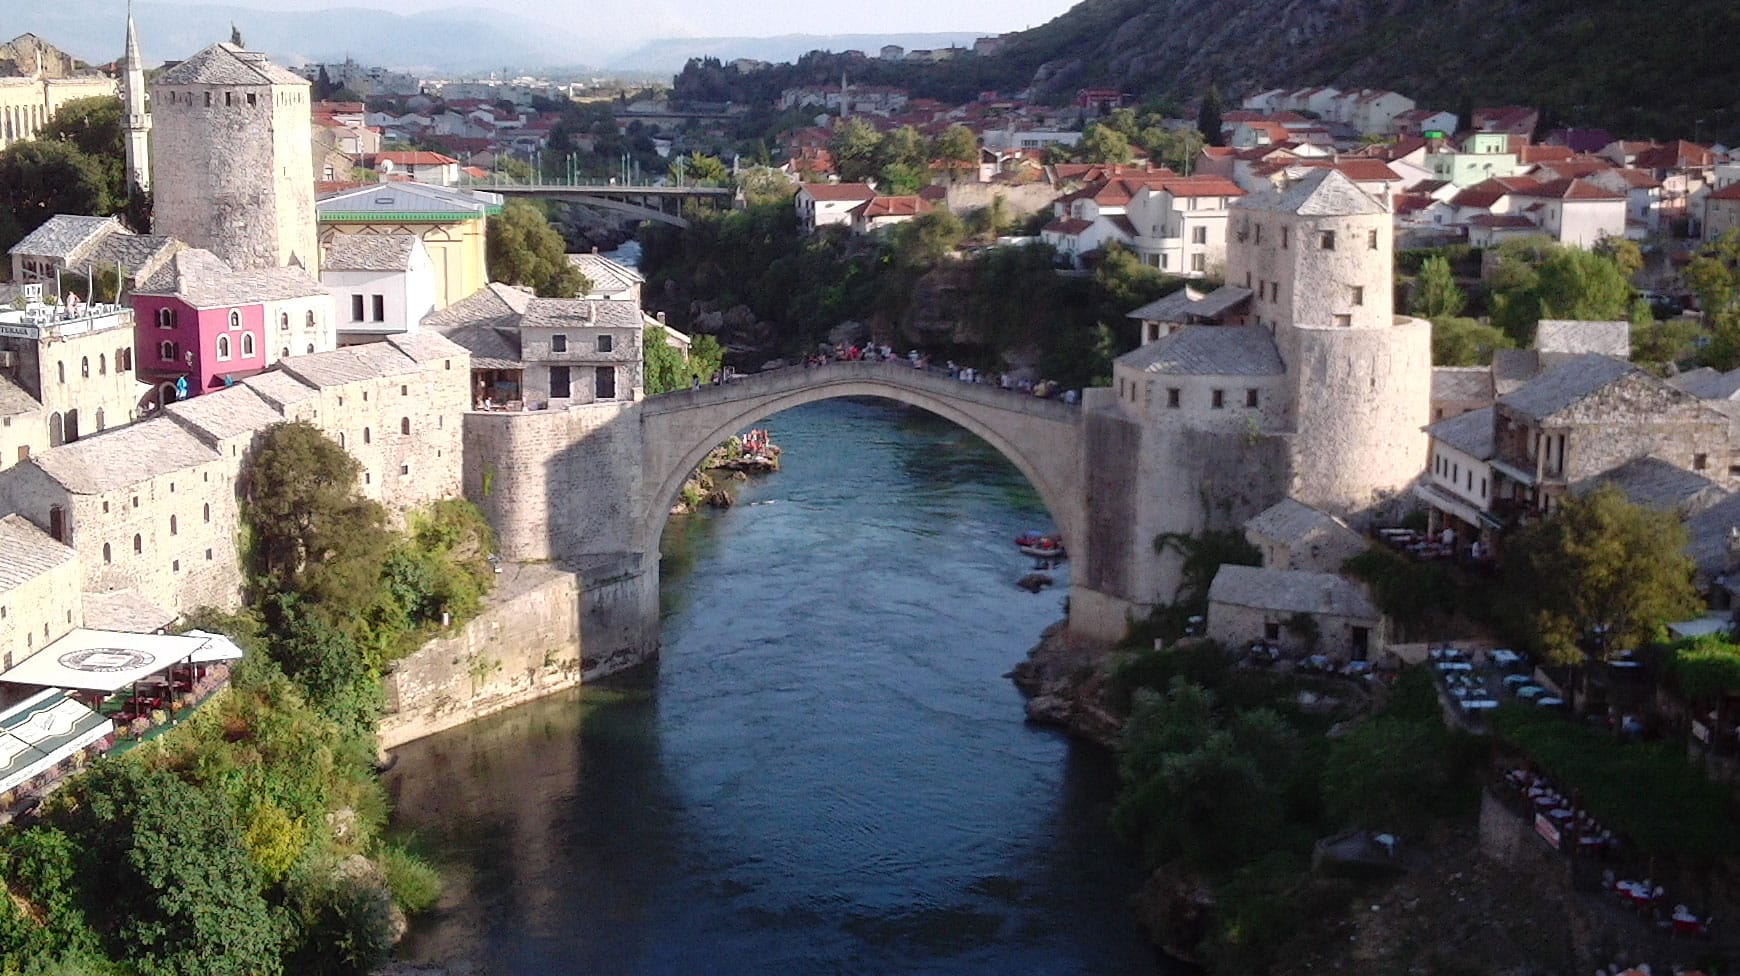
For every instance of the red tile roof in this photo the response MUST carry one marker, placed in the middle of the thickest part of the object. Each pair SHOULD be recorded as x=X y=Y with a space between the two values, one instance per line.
x=839 y=191
x=1070 y=227
x=420 y=158
x=907 y=206
x=1500 y=220
x=1729 y=192
x=1678 y=154
x=1543 y=154
x=1570 y=189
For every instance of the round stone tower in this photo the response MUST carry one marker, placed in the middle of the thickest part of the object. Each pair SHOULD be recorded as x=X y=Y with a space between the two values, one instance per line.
x=231 y=161
x=1318 y=258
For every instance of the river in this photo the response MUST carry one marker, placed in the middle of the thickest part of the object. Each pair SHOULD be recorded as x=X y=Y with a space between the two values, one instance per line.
x=826 y=772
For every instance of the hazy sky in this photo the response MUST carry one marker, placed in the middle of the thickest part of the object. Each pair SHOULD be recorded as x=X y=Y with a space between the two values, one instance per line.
x=714 y=18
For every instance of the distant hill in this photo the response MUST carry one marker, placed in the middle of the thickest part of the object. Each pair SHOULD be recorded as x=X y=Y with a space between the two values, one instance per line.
x=669 y=55
x=454 y=40
x=1643 y=68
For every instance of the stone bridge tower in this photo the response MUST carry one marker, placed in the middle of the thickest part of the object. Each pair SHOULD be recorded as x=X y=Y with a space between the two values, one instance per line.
x=232 y=159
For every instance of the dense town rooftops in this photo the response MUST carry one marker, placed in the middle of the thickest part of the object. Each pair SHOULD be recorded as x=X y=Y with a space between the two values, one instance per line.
x=1471 y=433
x=1708 y=384
x=123 y=456
x=1319 y=193
x=368 y=252
x=1565 y=384
x=902 y=206
x=1291 y=591
x=1209 y=350
x=204 y=280
x=229 y=65
x=356 y=363
x=1568 y=189
x=579 y=313
x=27 y=552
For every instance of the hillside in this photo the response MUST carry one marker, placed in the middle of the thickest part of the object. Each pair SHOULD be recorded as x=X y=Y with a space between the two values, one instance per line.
x=1638 y=68
x=669 y=54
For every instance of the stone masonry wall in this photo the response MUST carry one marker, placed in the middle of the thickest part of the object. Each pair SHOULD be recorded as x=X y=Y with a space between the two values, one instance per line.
x=525 y=644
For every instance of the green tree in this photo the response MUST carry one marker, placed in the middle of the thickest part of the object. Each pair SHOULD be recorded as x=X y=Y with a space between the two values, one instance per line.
x=1208 y=117
x=665 y=369
x=855 y=144
x=957 y=148
x=1623 y=252
x=40 y=178
x=177 y=892
x=93 y=126
x=697 y=169
x=901 y=179
x=1536 y=279
x=1103 y=144
x=525 y=250
x=904 y=146
x=1435 y=293
x=764 y=184
x=1466 y=342
x=1714 y=276
x=1600 y=574
x=1673 y=341
x=298 y=486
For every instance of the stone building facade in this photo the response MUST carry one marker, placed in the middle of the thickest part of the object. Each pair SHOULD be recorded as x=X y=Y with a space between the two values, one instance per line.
x=230 y=159
x=39 y=589
x=65 y=373
x=36 y=79
x=1314 y=390
x=151 y=510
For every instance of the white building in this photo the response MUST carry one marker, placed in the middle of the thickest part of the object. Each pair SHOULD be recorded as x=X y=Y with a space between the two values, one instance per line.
x=381 y=285
x=825 y=204
x=1181 y=223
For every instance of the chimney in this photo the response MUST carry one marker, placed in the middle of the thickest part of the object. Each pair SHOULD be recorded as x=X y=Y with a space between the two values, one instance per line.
x=661 y=318
x=594 y=249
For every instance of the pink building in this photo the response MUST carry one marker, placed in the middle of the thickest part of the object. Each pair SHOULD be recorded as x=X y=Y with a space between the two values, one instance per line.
x=202 y=325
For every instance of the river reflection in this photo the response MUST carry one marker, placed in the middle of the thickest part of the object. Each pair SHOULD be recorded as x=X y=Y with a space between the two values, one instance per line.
x=827 y=772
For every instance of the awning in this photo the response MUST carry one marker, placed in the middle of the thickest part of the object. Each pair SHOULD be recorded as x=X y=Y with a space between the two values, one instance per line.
x=40 y=732
x=217 y=648
x=1513 y=472
x=103 y=660
x=1709 y=623
x=1443 y=501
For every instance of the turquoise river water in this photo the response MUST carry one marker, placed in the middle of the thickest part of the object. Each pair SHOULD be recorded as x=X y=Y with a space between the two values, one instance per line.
x=827 y=771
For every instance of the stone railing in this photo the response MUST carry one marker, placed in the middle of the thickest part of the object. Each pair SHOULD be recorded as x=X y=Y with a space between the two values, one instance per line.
x=932 y=382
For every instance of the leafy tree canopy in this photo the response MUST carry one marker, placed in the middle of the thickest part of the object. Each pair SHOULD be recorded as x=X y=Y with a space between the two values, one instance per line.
x=525 y=250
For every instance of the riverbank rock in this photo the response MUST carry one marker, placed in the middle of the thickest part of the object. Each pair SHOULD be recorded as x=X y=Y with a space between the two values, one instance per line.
x=848 y=333
x=1065 y=679
x=1176 y=909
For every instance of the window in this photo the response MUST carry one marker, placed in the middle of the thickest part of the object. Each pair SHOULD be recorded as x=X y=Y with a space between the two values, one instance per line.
x=208 y=99
x=405 y=425
x=235 y=319
x=1326 y=240
x=356 y=308
x=368 y=436
x=223 y=348
x=208 y=551
x=604 y=387
x=341 y=438
x=1251 y=398
x=606 y=343
x=404 y=470
x=1199 y=235
x=1358 y=294
x=1259 y=234
x=100 y=424
x=283 y=321
x=1344 y=321
x=1172 y=396
x=1217 y=400
x=1198 y=262
x=558 y=343
x=284 y=353
x=559 y=383
x=208 y=511
x=60 y=371
x=1700 y=462
x=247 y=345
x=174 y=526
x=1286 y=236
x=108 y=556
x=1371 y=240
x=1247 y=279
x=85 y=367
x=124 y=360
x=165 y=318
x=252 y=100
x=379 y=309
x=102 y=364
x=138 y=544
x=311 y=318
x=57 y=523
x=1483 y=488
x=311 y=348
x=166 y=351
x=1271 y=630
x=229 y=98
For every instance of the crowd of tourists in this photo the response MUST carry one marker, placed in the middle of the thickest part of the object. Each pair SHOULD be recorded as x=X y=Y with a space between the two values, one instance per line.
x=874 y=353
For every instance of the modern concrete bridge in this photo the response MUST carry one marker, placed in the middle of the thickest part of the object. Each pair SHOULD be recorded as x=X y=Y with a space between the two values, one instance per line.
x=660 y=203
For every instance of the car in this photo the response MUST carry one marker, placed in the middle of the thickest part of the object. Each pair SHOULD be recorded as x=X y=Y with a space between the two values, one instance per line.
x=1662 y=306
x=1530 y=692
x=1514 y=681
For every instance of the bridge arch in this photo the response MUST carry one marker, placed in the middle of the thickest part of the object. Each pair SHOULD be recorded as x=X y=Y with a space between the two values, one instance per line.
x=1041 y=438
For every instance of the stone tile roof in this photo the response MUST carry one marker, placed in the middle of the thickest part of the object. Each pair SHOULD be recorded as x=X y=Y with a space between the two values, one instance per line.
x=1187 y=301
x=126 y=610
x=369 y=252
x=1657 y=484
x=1462 y=383
x=63 y=236
x=279 y=387
x=1707 y=384
x=1319 y=193
x=607 y=276
x=1565 y=384
x=137 y=254
x=123 y=456
x=1511 y=368
x=579 y=313
x=1291 y=520
x=1471 y=433
x=27 y=552
x=14 y=400
x=1291 y=591
x=423 y=347
x=227 y=64
x=485 y=324
x=203 y=280
x=1209 y=350
x=1574 y=336
x=225 y=413
x=1710 y=531
x=349 y=365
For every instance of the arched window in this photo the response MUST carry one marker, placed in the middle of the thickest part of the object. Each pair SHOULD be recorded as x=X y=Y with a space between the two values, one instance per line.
x=85 y=367
x=404 y=425
x=107 y=555
x=103 y=364
x=165 y=318
x=284 y=321
x=366 y=438
x=138 y=544
x=166 y=351
x=60 y=370
x=223 y=347
x=56 y=429
x=247 y=345
x=208 y=511
x=174 y=527
x=341 y=438
x=284 y=353
x=235 y=319
x=311 y=318
x=311 y=348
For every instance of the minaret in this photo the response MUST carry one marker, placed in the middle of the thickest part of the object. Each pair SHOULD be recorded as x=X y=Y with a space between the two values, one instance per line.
x=137 y=125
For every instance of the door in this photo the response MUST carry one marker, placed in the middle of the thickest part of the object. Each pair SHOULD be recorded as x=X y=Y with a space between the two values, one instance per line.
x=606 y=388
x=559 y=383
x=1361 y=643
